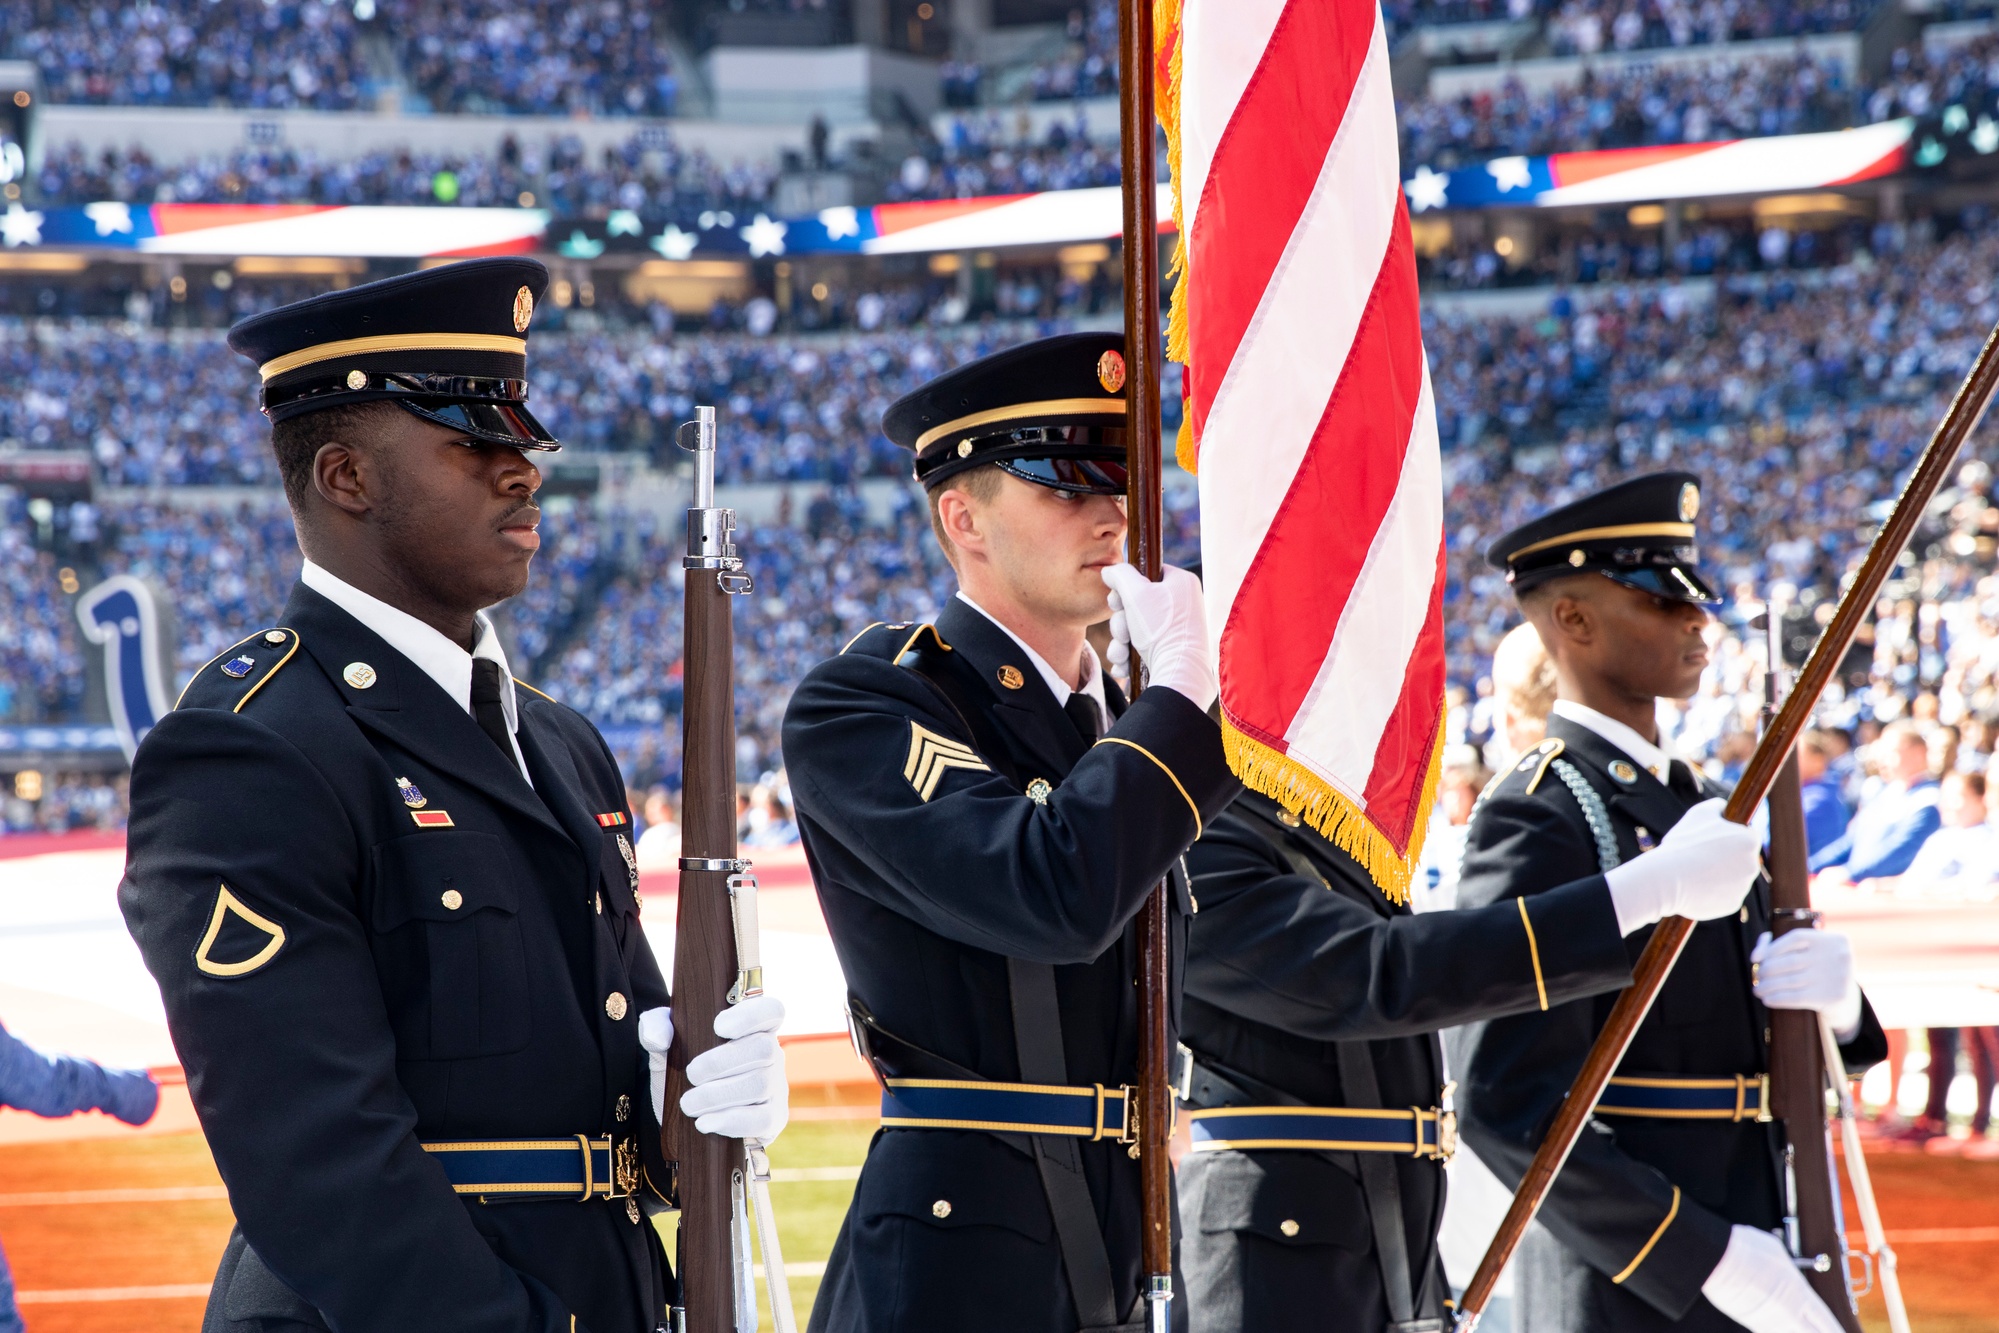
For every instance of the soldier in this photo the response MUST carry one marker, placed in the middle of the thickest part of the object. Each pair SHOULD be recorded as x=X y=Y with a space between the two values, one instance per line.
x=1663 y=1216
x=984 y=816
x=388 y=892
x=1321 y=1116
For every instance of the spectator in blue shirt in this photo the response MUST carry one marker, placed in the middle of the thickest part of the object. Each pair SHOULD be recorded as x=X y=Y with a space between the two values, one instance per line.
x=61 y=1085
x=1826 y=814
x=1890 y=828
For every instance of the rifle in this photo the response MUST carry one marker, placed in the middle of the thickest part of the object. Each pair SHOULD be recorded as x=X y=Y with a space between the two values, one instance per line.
x=716 y=957
x=1142 y=349
x=1671 y=934
x=1814 y=1228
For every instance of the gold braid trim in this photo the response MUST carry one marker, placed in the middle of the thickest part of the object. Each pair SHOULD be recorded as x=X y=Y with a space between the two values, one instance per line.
x=1333 y=813
x=1166 y=18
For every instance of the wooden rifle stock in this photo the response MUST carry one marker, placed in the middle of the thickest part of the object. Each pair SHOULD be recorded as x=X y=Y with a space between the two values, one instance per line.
x=704 y=956
x=1142 y=349
x=1797 y=1072
x=1671 y=934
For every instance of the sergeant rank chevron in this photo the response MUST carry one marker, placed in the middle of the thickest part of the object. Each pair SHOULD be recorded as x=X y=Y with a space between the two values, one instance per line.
x=930 y=755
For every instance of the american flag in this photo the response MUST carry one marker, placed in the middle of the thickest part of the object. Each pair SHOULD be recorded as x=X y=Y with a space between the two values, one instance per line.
x=1308 y=413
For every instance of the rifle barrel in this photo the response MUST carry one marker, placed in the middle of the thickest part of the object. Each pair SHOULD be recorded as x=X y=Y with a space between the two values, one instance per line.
x=1670 y=935
x=704 y=961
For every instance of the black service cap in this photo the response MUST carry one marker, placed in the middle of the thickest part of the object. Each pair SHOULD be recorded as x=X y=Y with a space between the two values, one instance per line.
x=1638 y=532
x=1050 y=412
x=449 y=344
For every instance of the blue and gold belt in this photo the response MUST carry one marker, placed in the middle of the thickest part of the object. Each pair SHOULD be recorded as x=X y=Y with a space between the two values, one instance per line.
x=1740 y=1097
x=1093 y=1112
x=1417 y=1132
x=578 y=1167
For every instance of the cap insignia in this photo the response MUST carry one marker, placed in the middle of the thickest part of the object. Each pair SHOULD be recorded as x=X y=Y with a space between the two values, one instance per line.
x=1010 y=677
x=523 y=309
x=1623 y=772
x=357 y=379
x=412 y=798
x=1690 y=502
x=238 y=667
x=1110 y=370
x=964 y=448
x=1576 y=557
x=358 y=674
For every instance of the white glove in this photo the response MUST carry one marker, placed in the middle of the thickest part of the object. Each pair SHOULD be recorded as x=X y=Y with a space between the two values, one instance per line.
x=1809 y=969
x=655 y=1035
x=1703 y=868
x=1758 y=1286
x=738 y=1088
x=1168 y=623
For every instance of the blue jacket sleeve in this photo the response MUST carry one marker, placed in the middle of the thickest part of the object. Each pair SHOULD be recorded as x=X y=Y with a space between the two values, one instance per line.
x=58 y=1085
x=1905 y=838
x=1835 y=853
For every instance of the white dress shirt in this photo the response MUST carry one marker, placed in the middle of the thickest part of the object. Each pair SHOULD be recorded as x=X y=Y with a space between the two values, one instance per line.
x=433 y=654
x=1092 y=677
x=1654 y=759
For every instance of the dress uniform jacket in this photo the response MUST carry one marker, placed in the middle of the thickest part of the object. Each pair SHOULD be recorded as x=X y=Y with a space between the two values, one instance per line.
x=1640 y=1215
x=955 y=818
x=345 y=981
x=1293 y=953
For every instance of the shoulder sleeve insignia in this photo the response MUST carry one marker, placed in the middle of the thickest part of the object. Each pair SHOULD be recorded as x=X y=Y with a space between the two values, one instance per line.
x=931 y=755
x=1538 y=759
x=238 y=940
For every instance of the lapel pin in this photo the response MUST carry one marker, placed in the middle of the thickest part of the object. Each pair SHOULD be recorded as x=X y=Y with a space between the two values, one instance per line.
x=1039 y=790
x=358 y=674
x=631 y=858
x=412 y=797
x=238 y=667
x=1644 y=835
x=1623 y=772
x=1010 y=677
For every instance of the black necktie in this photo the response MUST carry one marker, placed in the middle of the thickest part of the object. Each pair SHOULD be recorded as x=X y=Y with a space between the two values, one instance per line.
x=487 y=709
x=1082 y=711
x=1680 y=781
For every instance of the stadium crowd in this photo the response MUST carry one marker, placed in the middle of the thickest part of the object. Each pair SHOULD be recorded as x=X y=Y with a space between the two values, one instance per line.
x=538 y=57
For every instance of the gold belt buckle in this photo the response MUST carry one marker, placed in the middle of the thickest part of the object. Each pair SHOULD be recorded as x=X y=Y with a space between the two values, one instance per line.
x=625 y=1175
x=1128 y=1132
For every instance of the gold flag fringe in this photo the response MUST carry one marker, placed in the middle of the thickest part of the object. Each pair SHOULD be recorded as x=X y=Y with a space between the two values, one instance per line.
x=1166 y=16
x=1309 y=796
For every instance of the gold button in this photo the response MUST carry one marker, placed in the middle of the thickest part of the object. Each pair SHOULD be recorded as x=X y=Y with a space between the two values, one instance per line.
x=357 y=379
x=1288 y=1227
x=624 y=1108
x=274 y=637
x=615 y=1006
x=358 y=674
x=964 y=448
x=452 y=899
x=942 y=1208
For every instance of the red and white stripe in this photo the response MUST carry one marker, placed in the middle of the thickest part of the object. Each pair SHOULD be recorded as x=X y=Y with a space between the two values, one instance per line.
x=1321 y=484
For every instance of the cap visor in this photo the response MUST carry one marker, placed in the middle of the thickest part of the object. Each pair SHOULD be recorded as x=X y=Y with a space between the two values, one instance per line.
x=495 y=423
x=1084 y=476
x=1676 y=581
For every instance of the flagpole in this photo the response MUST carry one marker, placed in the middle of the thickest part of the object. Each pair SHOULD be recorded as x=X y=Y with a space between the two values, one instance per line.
x=1142 y=351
